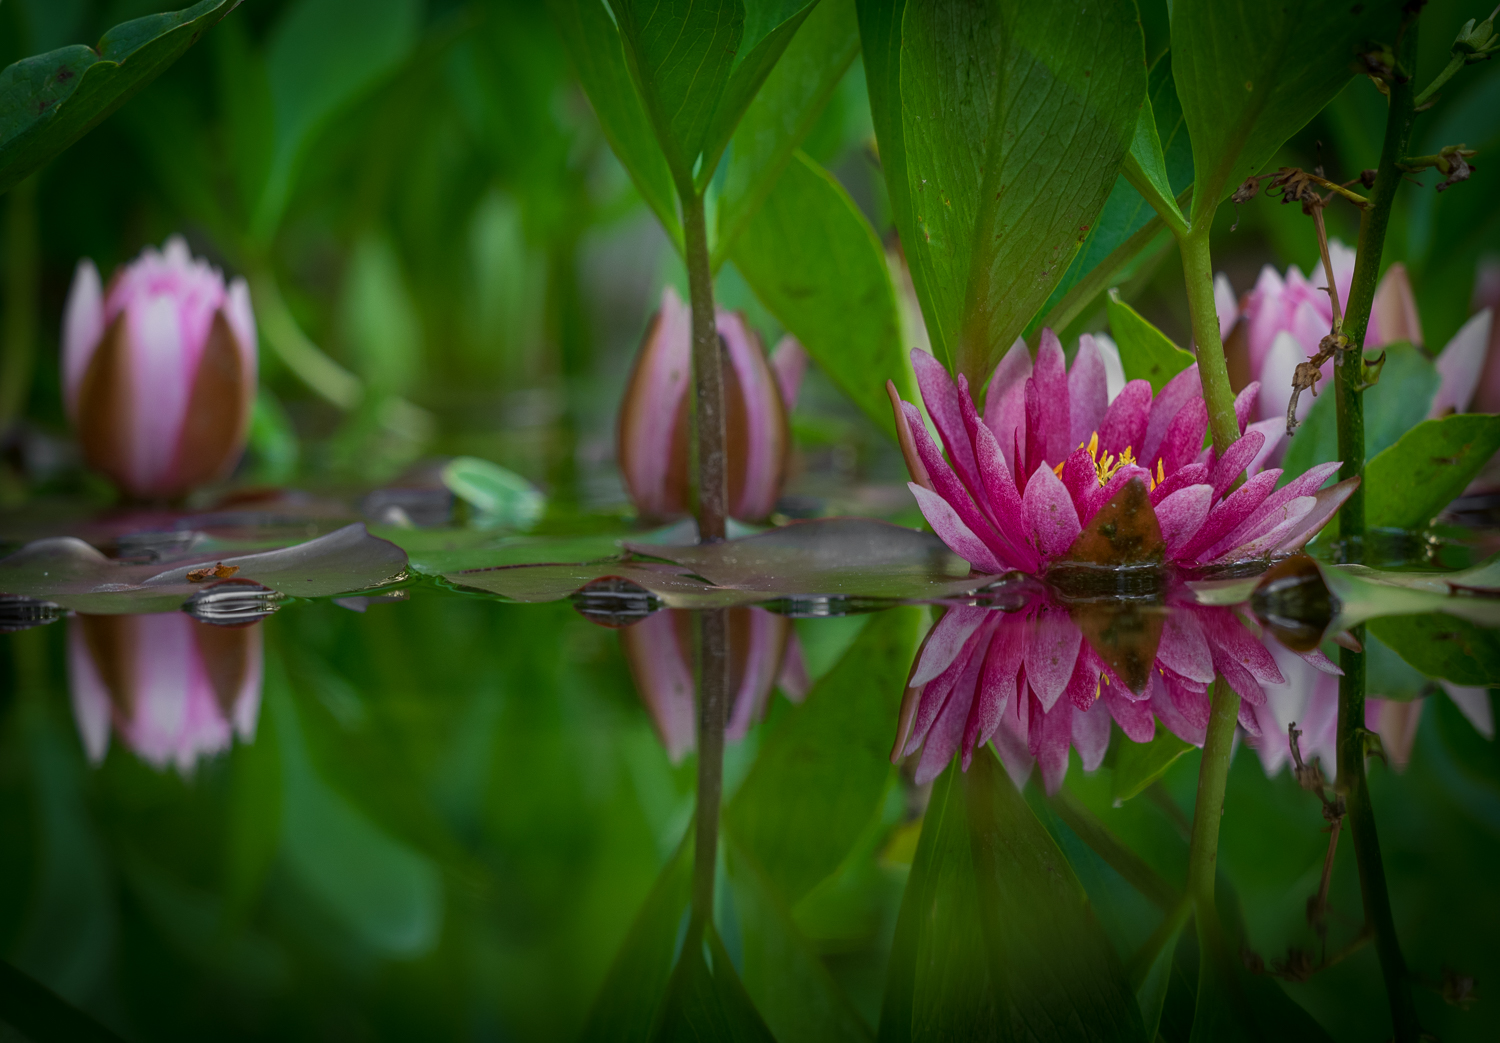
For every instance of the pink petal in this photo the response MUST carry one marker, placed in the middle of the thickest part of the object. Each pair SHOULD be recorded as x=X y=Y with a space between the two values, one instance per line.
x=246 y=708
x=1134 y=717
x=997 y=686
x=789 y=363
x=1184 y=438
x=1268 y=515
x=946 y=484
x=83 y=328
x=765 y=643
x=663 y=672
x=766 y=432
x=1291 y=516
x=1083 y=686
x=947 y=640
x=1091 y=734
x=89 y=694
x=906 y=439
x=1183 y=648
x=1275 y=376
x=653 y=408
x=1192 y=474
x=1088 y=392
x=1244 y=403
x=1005 y=399
x=1175 y=395
x=1394 y=316
x=793 y=679
x=941 y=398
x=1329 y=502
x=935 y=695
x=240 y=315
x=1236 y=458
x=952 y=531
x=1182 y=514
x=1231 y=512
x=1273 y=431
x=1227 y=634
x=1079 y=476
x=1002 y=501
x=947 y=731
x=1052 y=645
x=1051 y=738
x=1248 y=719
x=1460 y=364
x=1225 y=304
x=1051 y=377
x=1124 y=424
x=1012 y=746
x=1166 y=710
x=1050 y=515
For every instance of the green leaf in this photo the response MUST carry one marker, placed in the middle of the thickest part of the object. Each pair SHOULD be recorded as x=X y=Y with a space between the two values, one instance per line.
x=322 y=55
x=1235 y=1006
x=1250 y=75
x=880 y=48
x=783 y=113
x=637 y=980
x=821 y=774
x=43 y=1015
x=593 y=44
x=1146 y=168
x=1139 y=764
x=706 y=999
x=785 y=977
x=1152 y=994
x=1015 y=117
x=680 y=54
x=996 y=939
x=502 y=498
x=1409 y=483
x=1145 y=351
x=50 y=100
x=1440 y=646
x=815 y=262
x=1394 y=406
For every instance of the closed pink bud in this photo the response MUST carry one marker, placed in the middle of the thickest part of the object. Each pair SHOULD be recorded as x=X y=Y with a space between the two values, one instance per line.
x=159 y=371
x=655 y=422
x=173 y=688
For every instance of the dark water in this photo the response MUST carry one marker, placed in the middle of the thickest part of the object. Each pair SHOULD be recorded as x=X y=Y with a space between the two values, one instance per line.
x=437 y=815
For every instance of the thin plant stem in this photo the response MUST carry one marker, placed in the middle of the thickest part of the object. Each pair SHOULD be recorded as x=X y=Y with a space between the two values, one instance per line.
x=18 y=353
x=1208 y=811
x=1372 y=883
x=1333 y=286
x=713 y=695
x=1213 y=370
x=708 y=377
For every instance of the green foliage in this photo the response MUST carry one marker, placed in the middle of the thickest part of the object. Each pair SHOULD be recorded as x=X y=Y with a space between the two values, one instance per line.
x=1013 y=119
x=814 y=261
x=500 y=498
x=706 y=1000
x=1145 y=351
x=1455 y=650
x=1139 y=764
x=49 y=101
x=1250 y=76
x=1409 y=483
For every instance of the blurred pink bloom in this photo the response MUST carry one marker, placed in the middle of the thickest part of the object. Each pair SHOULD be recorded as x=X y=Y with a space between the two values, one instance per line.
x=655 y=422
x=159 y=371
x=174 y=689
x=1021 y=483
x=763 y=653
x=1035 y=681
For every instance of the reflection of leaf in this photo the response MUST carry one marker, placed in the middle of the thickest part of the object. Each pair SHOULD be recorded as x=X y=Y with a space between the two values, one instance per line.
x=1139 y=764
x=706 y=1000
x=30 y=1007
x=821 y=773
x=1146 y=352
x=1125 y=635
x=49 y=101
x=815 y=262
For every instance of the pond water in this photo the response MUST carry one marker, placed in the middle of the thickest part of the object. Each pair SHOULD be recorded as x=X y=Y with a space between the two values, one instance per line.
x=446 y=789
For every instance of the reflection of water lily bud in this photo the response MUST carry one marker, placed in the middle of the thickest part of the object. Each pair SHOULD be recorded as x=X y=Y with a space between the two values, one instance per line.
x=159 y=371
x=655 y=419
x=763 y=652
x=174 y=689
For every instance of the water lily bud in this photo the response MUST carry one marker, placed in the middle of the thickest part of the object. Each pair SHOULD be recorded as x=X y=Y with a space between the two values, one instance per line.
x=159 y=371
x=656 y=422
x=173 y=688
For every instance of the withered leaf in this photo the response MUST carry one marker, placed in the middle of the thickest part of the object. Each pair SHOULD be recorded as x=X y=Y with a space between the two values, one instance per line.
x=1124 y=532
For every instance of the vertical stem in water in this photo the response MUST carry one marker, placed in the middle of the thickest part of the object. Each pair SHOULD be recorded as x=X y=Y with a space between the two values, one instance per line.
x=1213 y=370
x=713 y=695
x=18 y=352
x=1208 y=811
x=1372 y=886
x=708 y=377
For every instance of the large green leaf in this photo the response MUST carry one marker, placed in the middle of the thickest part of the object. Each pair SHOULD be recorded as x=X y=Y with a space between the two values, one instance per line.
x=1409 y=483
x=1250 y=75
x=1146 y=353
x=1139 y=764
x=1015 y=118
x=322 y=55
x=814 y=261
x=996 y=939
x=783 y=113
x=880 y=48
x=593 y=45
x=821 y=774
x=50 y=100
x=1393 y=407
x=1440 y=646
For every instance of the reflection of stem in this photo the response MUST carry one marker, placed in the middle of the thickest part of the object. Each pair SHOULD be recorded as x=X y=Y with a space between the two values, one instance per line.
x=1213 y=370
x=713 y=693
x=18 y=354
x=1213 y=777
x=1372 y=885
x=708 y=377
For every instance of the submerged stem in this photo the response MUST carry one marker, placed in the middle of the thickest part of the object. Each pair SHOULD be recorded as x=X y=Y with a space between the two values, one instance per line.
x=1213 y=370
x=713 y=692
x=708 y=377
x=1372 y=885
x=1208 y=811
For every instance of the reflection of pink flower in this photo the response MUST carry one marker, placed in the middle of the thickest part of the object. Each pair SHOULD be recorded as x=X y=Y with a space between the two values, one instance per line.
x=174 y=688
x=159 y=372
x=655 y=422
x=1034 y=681
x=1023 y=481
x=763 y=653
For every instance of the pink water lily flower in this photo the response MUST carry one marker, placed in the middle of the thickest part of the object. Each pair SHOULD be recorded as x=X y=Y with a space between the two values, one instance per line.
x=655 y=422
x=159 y=371
x=174 y=689
x=1043 y=678
x=763 y=654
x=1022 y=482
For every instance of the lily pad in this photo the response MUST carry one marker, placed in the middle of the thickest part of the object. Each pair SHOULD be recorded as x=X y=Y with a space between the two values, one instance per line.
x=74 y=575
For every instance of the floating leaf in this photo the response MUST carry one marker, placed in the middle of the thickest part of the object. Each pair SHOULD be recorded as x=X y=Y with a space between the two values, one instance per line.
x=1145 y=351
x=502 y=498
x=49 y=101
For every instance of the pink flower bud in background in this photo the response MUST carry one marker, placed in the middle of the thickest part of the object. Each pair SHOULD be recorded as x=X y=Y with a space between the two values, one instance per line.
x=173 y=688
x=159 y=371
x=655 y=419
x=1487 y=295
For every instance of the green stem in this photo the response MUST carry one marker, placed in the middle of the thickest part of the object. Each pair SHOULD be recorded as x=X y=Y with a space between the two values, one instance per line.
x=713 y=696
x=1213 y=370
x=1454 y=64
x=1213 y=777
x=1373 y=223
x=18 y=357
x=1372 y=884
x=708 y=377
